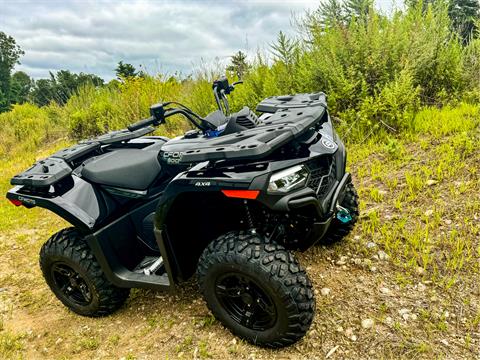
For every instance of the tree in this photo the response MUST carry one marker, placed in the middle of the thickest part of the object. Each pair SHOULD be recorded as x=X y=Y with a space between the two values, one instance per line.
x=358 y=8
x=42 y=93
x=125 y=71
x=10 y=52
x=239 y=64
x=21 y=84
x=61 y=86
x=464 y=15
x=331 y=13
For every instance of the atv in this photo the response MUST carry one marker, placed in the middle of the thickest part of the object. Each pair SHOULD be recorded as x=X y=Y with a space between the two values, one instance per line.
x=228 y=201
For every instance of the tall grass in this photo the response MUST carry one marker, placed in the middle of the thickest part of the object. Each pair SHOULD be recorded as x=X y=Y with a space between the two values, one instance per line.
x=377 y=71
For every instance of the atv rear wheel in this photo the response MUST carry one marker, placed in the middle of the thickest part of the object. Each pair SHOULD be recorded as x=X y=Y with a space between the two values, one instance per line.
x=75 y=277
x=257 y=289
x=338 y=230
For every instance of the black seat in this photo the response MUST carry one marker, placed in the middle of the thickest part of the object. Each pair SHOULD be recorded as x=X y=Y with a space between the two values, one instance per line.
x=128 y=168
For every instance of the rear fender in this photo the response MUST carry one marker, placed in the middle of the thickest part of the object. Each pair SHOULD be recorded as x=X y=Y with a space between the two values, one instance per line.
x=82 y=205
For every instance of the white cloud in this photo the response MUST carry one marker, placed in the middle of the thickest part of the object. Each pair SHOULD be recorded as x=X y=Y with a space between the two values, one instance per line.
x=164 y=36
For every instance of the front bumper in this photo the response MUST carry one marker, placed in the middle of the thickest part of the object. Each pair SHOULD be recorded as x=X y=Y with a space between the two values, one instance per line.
x=324 y=208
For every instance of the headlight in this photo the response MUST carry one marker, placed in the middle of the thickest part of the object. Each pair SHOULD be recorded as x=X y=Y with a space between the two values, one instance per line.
x=288 y=179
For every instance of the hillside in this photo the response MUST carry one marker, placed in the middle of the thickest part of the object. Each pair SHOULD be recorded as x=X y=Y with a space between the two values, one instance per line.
x=411 y=266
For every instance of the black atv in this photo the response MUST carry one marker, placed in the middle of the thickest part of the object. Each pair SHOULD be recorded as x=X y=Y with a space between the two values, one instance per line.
x=228 y=201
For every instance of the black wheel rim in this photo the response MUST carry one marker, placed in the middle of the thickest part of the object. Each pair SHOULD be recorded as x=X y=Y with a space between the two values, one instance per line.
x=71 y=285
x=245 y=301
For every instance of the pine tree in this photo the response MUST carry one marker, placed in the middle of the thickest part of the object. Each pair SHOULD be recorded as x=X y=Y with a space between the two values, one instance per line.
x=330 y=13
x=357 y=8
x=239 y=65
x=125 y=71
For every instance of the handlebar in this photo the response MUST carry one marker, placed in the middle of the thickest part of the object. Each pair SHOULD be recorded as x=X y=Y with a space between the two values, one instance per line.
x=142 y=123
x=221 y=88
x=159 y=114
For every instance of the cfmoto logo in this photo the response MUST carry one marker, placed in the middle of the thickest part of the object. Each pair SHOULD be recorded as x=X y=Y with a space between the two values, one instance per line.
x=328 y=144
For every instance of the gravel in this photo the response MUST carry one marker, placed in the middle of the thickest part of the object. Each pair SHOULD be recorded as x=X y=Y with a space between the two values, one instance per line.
x=325 y=291
x=367 y=323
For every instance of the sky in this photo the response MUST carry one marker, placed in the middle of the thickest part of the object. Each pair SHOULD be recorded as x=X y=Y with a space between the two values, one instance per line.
x=156 y=36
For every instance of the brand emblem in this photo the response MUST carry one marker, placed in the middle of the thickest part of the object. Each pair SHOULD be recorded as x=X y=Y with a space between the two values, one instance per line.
x=26 y=200
x=202 y=183
x=328 y=144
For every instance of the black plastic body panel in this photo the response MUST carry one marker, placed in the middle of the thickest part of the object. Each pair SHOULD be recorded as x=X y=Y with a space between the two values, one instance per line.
x=43 y=173
x=299 y=101
x=256 y=143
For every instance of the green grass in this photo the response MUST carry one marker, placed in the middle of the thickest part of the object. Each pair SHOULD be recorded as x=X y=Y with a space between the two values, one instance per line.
x=11 y=345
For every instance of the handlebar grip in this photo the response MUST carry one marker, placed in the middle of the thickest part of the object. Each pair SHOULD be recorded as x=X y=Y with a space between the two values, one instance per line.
x=141 y=124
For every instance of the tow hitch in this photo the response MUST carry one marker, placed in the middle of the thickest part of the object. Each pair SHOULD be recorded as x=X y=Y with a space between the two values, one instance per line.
x=343 y=214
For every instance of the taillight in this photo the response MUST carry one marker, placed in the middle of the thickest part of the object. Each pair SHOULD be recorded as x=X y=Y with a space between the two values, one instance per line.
x=241 y=194
x=16 y=202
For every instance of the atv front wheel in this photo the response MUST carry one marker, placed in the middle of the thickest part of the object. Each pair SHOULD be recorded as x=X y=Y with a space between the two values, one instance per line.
x=338 y=229
x=75 y=277
x=257 y=289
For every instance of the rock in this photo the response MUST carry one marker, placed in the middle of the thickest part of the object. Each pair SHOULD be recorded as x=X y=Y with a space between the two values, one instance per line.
x=332 y=350
x=388 y=320
x=371 y=245
x=448 y=221
x=342 y=260
x=339 y=329
x=420 y=270
x=429 y=212
x=325 y=291
x=382 y=255
x=385 y=290
x=367 y=323
x=373 y=269
x=431 y=182
x=353 y=337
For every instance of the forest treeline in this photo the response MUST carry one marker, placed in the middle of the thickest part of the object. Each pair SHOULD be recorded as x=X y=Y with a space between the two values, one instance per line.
x=377 y=71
